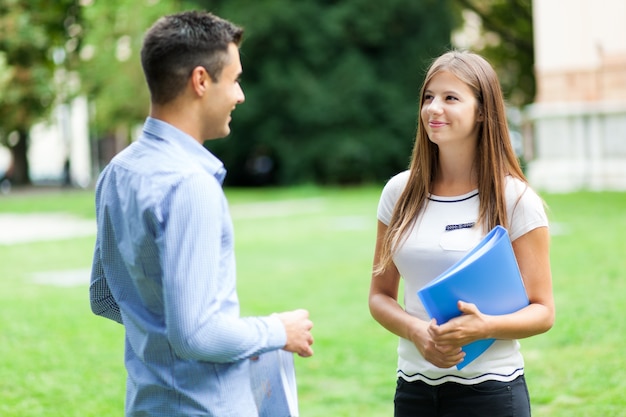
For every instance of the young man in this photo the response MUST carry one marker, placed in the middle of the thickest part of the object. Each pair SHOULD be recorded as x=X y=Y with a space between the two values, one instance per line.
x=164 y=262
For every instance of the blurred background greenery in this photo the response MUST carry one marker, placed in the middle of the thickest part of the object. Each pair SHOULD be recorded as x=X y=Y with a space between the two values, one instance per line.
x=331 y=86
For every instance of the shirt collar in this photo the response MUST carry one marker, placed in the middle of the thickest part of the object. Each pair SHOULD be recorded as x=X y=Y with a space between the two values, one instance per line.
x=162 y=130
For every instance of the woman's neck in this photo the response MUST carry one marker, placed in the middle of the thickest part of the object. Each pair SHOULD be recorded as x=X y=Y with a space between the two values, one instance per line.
x=455 y=176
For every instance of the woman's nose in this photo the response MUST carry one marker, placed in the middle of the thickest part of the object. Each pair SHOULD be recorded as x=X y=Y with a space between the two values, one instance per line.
x=434 y=106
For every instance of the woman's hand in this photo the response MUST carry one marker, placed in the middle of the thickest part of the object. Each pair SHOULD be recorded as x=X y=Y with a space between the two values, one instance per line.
x=462 y=330
x=440 y=355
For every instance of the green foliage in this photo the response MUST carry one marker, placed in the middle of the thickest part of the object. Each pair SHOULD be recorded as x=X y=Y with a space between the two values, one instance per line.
x=508 y=44
x=38 y=39
x=31 y=32
x=110 y=68
x=331 y=87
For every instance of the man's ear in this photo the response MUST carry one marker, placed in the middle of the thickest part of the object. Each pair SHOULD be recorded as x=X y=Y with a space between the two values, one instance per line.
x=200 y=80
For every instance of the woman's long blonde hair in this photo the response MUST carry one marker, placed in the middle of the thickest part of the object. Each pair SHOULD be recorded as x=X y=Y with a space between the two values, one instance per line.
x=494 y=161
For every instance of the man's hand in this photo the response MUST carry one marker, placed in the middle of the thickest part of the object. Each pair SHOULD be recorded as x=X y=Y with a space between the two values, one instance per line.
x=298 y=328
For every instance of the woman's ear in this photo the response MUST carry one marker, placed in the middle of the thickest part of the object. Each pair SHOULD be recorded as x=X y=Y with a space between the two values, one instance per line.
x=479 y=116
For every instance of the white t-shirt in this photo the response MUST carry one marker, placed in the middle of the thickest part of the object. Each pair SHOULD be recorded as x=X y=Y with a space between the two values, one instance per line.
x=430 y=249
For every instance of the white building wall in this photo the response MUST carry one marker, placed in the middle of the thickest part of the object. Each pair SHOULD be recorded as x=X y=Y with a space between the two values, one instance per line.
x=80 y=151
x=65 y=137
x=579 y=146
x=574 y=34
x=579 y=116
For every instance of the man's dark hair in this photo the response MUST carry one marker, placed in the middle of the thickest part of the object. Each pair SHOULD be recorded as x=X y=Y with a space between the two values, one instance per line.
x=178 y=43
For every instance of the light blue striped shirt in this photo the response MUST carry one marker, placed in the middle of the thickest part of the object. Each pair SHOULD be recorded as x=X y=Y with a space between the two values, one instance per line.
x=164 y=266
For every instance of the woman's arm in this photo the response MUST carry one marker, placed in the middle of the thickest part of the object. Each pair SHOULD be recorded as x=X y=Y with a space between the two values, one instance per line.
x=533 y=257
x=384 y=307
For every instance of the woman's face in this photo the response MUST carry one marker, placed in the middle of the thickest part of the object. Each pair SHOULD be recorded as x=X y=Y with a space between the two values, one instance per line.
x=450 y=111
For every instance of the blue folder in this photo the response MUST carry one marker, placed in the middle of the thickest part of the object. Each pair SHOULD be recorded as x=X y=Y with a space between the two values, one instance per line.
x=488 y=276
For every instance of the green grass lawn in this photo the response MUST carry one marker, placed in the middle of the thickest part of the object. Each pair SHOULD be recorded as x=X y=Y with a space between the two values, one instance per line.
x=310 y=247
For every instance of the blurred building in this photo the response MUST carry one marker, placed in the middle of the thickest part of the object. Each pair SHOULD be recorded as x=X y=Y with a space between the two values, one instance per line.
x=59 y=149
x=579 y=114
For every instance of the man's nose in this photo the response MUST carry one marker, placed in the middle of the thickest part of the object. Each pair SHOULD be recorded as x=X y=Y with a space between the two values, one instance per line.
x=241 y=97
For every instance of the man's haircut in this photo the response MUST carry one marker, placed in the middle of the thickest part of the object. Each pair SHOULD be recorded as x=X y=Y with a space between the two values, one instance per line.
x=178 y=43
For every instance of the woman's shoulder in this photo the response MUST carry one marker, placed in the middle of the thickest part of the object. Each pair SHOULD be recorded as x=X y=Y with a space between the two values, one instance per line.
x=517 y=189
x=390 y=195
x=398 y=181
x=525 y=207
x=515 y=183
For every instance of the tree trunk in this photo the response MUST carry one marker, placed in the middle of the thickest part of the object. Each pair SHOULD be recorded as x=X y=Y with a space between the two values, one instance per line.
x=20 y=171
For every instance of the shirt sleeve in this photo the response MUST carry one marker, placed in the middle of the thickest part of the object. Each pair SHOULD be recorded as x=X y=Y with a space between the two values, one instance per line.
x=100 y=297
x=389 y=196
x=199 y=290
x=525 y=208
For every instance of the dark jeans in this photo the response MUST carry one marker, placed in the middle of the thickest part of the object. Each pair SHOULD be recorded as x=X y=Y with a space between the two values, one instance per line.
x=487 y=399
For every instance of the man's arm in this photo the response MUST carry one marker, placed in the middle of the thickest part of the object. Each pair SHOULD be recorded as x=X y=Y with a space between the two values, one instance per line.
x=100 y=297
x=199 y=287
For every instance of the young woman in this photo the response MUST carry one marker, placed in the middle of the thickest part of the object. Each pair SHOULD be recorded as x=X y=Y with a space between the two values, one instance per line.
x=463 y=174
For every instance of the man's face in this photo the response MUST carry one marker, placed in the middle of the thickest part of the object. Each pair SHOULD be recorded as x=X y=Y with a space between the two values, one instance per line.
x=222 y=97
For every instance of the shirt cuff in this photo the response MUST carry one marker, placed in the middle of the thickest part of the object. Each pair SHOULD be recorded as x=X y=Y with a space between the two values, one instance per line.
x=277 y=338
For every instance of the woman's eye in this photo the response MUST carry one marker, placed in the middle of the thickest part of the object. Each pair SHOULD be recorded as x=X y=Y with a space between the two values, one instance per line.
x=451 y=98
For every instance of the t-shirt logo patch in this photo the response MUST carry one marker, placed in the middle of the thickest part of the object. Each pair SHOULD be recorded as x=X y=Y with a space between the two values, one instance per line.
x=459 y=226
